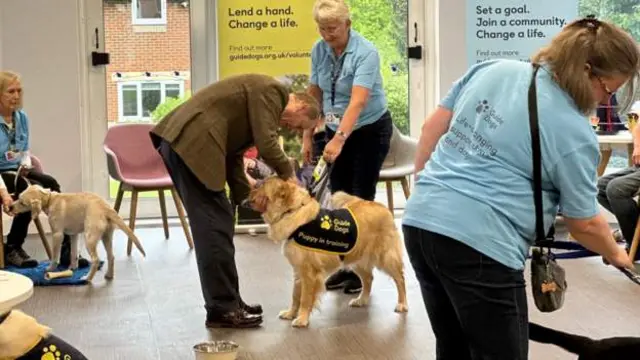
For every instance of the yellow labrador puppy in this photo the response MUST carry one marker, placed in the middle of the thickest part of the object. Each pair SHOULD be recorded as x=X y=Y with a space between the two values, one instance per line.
x=72 y=214
x=362 y=231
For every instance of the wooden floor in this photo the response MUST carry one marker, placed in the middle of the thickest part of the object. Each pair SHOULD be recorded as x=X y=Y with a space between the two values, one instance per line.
x=153 y=309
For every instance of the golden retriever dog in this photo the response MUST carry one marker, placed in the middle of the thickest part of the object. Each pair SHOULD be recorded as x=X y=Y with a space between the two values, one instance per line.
x=286 y=207
x=72 y=214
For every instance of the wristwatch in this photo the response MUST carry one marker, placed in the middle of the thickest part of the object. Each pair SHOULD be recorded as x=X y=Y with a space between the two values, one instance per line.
x=342 y=134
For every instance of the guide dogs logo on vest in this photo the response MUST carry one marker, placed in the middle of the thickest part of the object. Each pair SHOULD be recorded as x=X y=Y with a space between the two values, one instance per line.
x=332 y=231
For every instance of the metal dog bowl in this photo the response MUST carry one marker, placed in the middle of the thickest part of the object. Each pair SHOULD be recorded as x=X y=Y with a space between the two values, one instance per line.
x=216 y=350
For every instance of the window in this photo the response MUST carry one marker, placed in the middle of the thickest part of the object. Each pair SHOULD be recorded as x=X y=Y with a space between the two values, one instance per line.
x=137 y=100
x=149 y=12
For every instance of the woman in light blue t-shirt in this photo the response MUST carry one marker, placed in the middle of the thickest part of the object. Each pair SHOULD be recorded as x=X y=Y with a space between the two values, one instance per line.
x=470 y=220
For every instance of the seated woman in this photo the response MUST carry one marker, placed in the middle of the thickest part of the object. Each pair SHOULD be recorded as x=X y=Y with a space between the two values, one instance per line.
x=14 y=156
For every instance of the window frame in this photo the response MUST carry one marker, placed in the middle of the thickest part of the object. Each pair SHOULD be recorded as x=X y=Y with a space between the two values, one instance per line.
x=161 y=21
x=138 y=85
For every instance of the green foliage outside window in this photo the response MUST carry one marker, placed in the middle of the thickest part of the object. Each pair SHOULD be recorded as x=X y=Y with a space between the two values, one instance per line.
x=624 y=13
x=167 y=106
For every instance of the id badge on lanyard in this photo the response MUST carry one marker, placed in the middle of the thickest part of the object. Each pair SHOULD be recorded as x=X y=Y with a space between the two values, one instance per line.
x=332 y=117
x=12 y=153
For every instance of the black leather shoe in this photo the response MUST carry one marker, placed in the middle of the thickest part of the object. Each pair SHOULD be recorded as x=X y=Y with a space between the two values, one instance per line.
x=65 y=261
x=251 y=309
x=238 y=319
x=82 y=262
x=338 y=280
x=353 y=285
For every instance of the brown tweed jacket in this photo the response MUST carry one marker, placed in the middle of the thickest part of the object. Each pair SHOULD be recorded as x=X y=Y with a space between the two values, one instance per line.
x=211 y=131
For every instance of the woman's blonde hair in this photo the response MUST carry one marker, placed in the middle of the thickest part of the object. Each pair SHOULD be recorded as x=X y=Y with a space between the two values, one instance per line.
x=330 y=10
x=6 y=78
x=604 y=47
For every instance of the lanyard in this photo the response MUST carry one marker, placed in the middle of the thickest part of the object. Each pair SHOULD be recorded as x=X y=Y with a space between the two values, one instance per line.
x=11 y=134
x=335 y=74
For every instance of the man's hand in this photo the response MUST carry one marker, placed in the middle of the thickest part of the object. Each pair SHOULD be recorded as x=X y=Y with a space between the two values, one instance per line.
x=6 y=203
x=24 y=171
x=333 y=149
x=636 y=155
x=306 y=150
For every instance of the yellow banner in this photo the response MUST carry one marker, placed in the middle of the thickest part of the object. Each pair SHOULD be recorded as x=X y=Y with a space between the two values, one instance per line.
x=266 y=37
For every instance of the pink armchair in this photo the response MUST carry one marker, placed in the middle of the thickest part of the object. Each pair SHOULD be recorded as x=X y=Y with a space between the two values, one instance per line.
x=37 y=166
x=138 y=167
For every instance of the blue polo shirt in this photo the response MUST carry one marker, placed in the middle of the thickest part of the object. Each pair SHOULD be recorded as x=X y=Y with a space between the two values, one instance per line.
x=360 y=67
x=477 y=186
x=19 y=136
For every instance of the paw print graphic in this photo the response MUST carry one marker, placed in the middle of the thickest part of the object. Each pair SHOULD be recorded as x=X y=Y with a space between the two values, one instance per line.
x=50 y=353
x=325 y=222
x=482 y=106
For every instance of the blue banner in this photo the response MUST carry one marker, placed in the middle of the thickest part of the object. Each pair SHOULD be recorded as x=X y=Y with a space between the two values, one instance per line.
x=514 y=29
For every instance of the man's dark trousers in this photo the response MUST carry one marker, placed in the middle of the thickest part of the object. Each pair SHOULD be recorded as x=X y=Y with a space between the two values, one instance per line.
x=211 y=218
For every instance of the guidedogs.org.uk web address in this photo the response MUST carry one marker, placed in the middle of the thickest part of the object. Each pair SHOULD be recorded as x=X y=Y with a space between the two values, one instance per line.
x=270 y=56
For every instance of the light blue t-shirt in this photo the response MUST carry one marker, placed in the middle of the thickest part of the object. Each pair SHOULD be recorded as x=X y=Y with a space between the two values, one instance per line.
x=15 y=139
x=478 y=185
x=360 y=67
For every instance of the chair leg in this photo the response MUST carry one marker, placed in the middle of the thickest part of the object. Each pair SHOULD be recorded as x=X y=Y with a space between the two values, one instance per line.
x=636 y=240
x=389 y=185
x=119 y=197
x=1 y=241
x=132 y=217
x=43 y=237
x=163 y=211
x=605 y=155
x=405 y=187
x=183 y=220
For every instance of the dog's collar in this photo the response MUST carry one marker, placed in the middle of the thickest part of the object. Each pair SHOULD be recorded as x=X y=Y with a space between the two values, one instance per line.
x=45 y=202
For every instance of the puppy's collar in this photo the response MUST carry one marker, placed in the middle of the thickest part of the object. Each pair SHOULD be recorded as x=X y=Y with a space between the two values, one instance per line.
x=46 y=199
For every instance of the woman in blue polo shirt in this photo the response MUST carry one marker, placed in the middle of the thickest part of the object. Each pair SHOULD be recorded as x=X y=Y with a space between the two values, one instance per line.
x=346 y=80
x=470 y=219
x=14 y=154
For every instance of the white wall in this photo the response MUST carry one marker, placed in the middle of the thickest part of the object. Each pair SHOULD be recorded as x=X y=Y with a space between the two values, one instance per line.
x=39 y=40
x=452 y=44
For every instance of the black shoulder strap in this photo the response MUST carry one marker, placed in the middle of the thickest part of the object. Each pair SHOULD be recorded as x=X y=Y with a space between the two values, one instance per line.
x=537 y=162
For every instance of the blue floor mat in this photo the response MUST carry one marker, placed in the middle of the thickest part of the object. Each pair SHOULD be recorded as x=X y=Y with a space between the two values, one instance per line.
x=36 y=274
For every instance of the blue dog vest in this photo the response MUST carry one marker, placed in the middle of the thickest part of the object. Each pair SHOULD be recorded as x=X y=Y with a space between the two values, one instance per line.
x=332 y=232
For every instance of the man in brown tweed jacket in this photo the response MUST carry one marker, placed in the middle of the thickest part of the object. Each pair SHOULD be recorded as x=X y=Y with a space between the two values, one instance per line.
x=202 y=143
